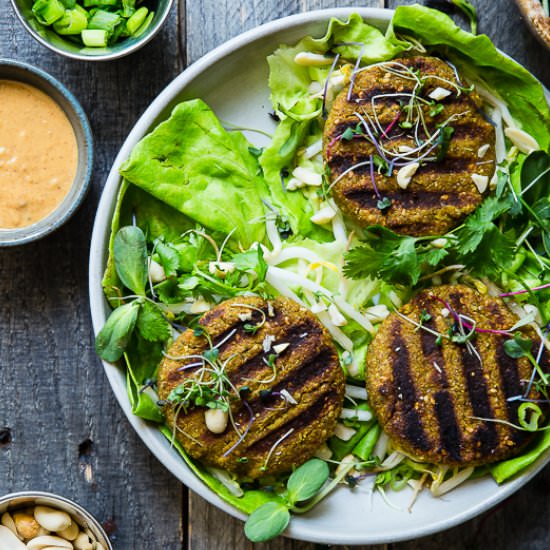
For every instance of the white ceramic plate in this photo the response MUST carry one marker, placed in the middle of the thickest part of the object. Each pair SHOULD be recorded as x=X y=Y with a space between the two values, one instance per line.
x=232 y=79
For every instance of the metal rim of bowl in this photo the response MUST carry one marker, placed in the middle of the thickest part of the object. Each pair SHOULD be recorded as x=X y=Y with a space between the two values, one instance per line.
x=100 y=57
x=94 y=524
x=63 y=211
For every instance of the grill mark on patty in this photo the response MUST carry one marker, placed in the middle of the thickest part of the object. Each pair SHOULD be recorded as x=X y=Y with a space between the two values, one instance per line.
x=412 y=429
x=310 y=372
x=411 y=200
x=486 y=435
x=511 y=385
x=299 y=422
x=450 y=436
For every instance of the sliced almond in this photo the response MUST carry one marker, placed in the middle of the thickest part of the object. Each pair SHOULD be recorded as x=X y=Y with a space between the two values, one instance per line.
x=279 y=348
x=405 y=174
x=323 y=216
x=481 y=182
x=439 y=93
x=307 y=176
x=525 y=142
x=482 y=151
x=310 y=59
x=216 y=420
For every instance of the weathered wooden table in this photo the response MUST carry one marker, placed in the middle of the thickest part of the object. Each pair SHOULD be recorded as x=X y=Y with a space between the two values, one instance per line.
x=61 y=429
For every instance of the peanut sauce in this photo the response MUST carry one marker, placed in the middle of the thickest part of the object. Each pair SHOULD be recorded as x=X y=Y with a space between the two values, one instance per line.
x=38 y=154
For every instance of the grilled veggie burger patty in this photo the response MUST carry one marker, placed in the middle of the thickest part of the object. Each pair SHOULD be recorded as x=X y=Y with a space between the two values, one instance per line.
x=285 y=386
x=426 y=393
x=453 y=147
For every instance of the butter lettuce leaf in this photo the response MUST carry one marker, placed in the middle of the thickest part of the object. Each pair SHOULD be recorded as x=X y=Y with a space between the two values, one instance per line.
x=289 y=82
x=247 y=502
x=193 y=164
x=294 y=206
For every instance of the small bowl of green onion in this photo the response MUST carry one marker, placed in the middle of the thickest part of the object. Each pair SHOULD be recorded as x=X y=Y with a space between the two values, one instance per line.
x=95 y=30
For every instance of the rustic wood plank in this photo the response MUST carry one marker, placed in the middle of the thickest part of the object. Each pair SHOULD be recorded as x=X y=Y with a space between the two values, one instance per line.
x=54 y=396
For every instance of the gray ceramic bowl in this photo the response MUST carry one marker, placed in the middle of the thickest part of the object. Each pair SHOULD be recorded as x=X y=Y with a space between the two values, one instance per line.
x=16 y=70
x=47 y=37
x=15 y=501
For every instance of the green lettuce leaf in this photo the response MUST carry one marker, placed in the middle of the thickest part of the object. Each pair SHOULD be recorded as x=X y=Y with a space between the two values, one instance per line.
x=478 y=58
x=509 y=468
x=247 y=503
x=142 y=360
x=279 y=156
x=153 y=216
x=289 y=82
x=191 y=163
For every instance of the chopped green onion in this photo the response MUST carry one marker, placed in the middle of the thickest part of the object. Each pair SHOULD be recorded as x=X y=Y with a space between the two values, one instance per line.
x=105 y=21
x=533 y=423
x=136 y=20
x=129 y=8
x=145 y=25
x=73 y=22
x=48 y=11
x=99 y=3
x=95 y=38
x=365 y=447
x=69 y=4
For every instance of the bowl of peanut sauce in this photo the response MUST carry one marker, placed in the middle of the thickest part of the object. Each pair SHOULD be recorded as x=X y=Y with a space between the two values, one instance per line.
x=46 y=153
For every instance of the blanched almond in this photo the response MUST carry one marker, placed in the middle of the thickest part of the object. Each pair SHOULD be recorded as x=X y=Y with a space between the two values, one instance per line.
x=51 y=519
x=70 y=533
x=482 y=151
x=323 y=216
x=48 y=541
x=9 y=541
x=26 y=525
x=7 y=521
x=216 y=420
x=83 y=542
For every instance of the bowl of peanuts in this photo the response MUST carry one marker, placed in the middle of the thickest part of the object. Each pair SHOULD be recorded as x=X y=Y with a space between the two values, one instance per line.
x=44 y=521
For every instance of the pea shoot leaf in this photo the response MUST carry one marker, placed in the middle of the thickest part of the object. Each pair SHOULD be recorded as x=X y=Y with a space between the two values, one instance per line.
x=152 y=324
x=115 y=335
x=267 y=521
x=306 y=480
x=130 y=254
x=518 y=346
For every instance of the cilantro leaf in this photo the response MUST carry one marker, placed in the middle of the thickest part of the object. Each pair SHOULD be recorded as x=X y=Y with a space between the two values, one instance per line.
x=152 y=324
x=168 y=256
x=386 y=255
x=479 y=224
x=251 y=260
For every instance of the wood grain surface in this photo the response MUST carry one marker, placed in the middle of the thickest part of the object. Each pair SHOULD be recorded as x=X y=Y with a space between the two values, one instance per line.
x=60 y=427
